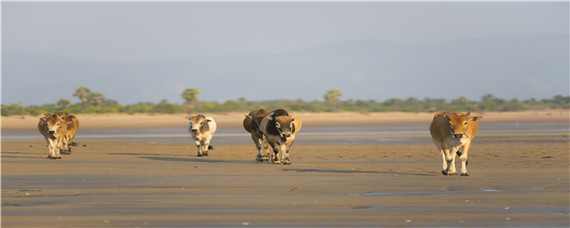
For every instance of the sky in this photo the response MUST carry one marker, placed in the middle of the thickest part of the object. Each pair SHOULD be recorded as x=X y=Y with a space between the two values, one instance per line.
x=130 y=32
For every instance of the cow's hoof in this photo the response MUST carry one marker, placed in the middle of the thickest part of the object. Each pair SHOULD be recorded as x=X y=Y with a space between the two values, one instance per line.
x=66 y=152
x=199 y=155
x=259 y=159
x=444 y=172
x=465 y=174
x=287 y=163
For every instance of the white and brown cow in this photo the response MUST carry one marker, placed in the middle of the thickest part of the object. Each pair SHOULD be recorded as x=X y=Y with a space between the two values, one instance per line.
x=280 y=129
x=202 y=129
x=452 y=133
x=53 y=128
x=251 y=124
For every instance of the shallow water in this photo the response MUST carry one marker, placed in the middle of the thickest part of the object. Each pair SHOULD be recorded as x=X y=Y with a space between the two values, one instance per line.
x=314 y=134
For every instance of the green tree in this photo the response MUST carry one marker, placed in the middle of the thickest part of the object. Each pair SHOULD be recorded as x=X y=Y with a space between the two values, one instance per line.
x=190 y=96
x=63 y=103
x=96 y=98
x=82 y=93
x=332 y=96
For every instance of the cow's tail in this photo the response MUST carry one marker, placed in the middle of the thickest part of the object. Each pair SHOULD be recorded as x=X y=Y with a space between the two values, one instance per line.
x=210 y=147
x=74 y=144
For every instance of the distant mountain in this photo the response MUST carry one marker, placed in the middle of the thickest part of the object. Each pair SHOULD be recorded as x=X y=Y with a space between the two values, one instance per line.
x=507 y=67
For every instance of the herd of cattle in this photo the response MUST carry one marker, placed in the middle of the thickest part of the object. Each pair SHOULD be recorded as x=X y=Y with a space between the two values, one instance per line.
x=451 y=132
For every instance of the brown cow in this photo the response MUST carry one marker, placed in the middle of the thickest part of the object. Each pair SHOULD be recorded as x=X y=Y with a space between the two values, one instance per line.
x=251 y=124
x=53 y=128
x=72 y=126
x=452 y=133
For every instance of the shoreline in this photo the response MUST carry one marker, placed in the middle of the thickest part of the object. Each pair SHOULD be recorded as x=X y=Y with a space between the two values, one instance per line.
x=235 y=119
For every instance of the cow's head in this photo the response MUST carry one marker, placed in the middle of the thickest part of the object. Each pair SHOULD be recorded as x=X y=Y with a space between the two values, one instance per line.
x=285 y=125
x=459 y=123
x=55 y=124
x=197 y=122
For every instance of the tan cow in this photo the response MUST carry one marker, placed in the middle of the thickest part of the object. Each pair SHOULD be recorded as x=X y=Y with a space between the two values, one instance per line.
x=72 y=126
x=452 y=133
x=251 y=124
x=280 y=129
x=202 y=129
x=53 y=128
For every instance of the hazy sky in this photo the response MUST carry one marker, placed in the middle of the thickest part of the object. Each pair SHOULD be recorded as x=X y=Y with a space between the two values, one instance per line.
x=134 y=31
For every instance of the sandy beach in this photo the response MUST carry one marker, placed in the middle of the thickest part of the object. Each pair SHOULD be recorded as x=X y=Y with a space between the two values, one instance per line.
x=517 y=178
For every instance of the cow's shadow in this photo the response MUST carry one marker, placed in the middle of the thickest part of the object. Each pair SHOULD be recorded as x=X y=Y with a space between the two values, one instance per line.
x=203 y=159
x=346 y=171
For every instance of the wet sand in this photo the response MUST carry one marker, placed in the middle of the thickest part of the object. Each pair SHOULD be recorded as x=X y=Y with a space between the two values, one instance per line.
x=517 y=179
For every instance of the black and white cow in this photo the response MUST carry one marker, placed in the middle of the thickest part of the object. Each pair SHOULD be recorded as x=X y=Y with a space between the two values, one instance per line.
x=280 y=129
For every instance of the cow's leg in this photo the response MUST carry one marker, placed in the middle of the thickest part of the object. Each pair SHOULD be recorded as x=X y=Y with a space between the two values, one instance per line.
x=448 y=167
x=451 y=164
x=464 y=159
x=262 y=149
x=51 y=149
x=266 y=149
x=59 y=146
x=199 y=147
x=69 y=143
x=65 y=148
x=276 y=151
x=206 y=144
x=443 y=158
x=286 y=160
x=286 y=149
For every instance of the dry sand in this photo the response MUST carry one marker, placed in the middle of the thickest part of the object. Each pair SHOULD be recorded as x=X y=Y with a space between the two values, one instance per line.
x=517 y=179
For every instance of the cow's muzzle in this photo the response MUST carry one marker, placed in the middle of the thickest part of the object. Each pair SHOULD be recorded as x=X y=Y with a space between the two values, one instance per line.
x=194 y=130
x=51 y=132
x=458 y=136
x=285 y=135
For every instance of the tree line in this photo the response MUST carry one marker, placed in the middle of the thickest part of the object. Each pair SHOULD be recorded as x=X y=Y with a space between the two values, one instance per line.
x=96 y=102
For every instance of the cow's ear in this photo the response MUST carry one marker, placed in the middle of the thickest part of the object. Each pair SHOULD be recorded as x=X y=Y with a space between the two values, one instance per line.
x=189 y=117
x=208 y=120
x=475 y=118
x=269 y=118
x=248 y=117
x=445 y=115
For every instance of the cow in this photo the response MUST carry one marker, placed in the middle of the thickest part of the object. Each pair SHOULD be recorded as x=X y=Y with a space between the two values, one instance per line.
x=72 y=126
x=202 y=129
x=280 y=129
x=452 y=133
x=251 y=124
x=53 y=128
